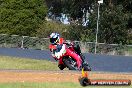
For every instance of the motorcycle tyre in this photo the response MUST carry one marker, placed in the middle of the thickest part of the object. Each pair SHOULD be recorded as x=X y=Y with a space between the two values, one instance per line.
x=68 y=65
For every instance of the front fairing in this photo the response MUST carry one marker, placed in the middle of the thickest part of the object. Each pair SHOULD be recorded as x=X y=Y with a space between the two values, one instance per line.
x=60 y=51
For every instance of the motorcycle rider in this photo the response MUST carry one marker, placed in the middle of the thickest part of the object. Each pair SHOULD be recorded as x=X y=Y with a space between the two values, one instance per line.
x=56 y=44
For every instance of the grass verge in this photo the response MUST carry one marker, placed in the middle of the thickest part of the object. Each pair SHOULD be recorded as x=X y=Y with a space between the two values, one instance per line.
x=26 y=64
x=53 y=85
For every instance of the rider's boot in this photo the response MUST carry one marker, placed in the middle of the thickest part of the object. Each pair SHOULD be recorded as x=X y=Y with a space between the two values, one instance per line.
x=83 y=60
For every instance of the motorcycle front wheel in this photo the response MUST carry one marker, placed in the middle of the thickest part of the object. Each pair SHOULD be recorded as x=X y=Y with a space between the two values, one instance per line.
x=70 y=63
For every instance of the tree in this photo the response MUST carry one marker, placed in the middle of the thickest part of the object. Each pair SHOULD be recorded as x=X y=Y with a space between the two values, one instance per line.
x=48 y=27
x=21 y=17
x=76 y=10
x=112 y=25
x=115 y=19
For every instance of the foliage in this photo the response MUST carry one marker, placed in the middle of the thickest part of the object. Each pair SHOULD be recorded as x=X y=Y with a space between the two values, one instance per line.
x=24 y=17
x=88 y=35
x=74 y=32
x=112 y=24
x=76 y=10
x=21 y=17
x=48 y=27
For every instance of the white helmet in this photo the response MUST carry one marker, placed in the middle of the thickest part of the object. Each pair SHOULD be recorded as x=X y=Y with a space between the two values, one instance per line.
x=54 y=38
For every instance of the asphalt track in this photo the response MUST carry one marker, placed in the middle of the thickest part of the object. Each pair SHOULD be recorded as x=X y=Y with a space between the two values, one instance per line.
x=104 y=63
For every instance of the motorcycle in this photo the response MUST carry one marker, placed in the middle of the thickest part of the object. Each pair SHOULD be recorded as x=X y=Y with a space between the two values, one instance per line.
x=69 y=58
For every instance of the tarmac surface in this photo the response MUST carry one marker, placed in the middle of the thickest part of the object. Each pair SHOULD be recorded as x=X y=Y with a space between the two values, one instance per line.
x=104 y=63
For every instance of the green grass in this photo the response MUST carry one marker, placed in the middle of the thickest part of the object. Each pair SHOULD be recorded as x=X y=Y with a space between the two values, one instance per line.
x=26 y=64
x=53 y=85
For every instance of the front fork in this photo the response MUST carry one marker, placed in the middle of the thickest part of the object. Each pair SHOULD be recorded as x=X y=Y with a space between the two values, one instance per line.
x=75 y=56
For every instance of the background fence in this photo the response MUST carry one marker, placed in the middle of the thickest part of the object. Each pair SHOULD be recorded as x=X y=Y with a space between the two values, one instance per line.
x=26 y=42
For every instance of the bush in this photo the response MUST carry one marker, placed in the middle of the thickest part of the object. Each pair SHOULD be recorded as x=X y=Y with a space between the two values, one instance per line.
x=21 y=17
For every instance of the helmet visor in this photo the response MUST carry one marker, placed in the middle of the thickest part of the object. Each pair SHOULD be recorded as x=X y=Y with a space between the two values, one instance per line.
x=53 y=40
